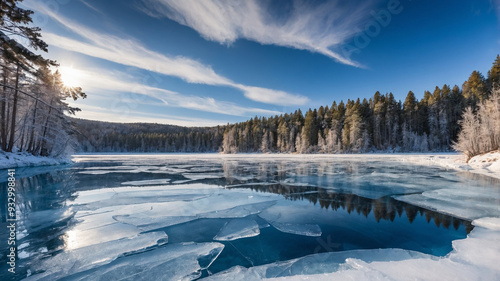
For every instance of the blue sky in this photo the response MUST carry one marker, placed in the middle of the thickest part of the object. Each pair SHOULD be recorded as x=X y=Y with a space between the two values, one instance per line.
x=201 y=63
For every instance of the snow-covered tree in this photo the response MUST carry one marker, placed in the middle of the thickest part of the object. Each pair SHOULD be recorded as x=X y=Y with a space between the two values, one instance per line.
x=480 y=131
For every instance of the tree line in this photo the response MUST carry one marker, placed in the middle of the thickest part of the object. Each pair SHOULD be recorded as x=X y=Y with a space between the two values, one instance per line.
x=33 y=111
x=98 y=136
x=380 y=123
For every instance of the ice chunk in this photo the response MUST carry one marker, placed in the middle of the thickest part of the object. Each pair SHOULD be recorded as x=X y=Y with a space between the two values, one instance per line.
x=313 y=264
x=100 y=198
x=121 y=169
x=465 y=202
x=300 y=229
x=171 y=262
x=41 y=219
x=147 y=182
x=77 y=237
x=84 y=258
x=201 y=176
x=111 y=168
x=23 y=245
x=239 y=211
x=151 y=219
x=488 y=222
x=147 y=224
x=23 y=254
x=485 y=237
x=213 y=203
x=291 y=219
x=237 y=229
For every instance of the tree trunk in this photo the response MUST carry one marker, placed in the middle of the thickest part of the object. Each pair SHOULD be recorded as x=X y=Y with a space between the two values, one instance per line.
x=14 y=112
x=43 y=143
x=3 y=115
x=31 y=143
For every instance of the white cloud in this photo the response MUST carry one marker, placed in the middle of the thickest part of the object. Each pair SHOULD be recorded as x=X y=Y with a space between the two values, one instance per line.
x=107 y=82
x=132 y=53
x=103 y=114
x=271 y=96
x=317 y=28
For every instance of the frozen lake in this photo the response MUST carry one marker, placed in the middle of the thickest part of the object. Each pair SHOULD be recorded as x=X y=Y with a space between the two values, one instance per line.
x=187 y=217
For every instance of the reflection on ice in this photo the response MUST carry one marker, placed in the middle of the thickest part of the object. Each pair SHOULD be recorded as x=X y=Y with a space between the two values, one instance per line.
x=77 y=238
x=382 y=208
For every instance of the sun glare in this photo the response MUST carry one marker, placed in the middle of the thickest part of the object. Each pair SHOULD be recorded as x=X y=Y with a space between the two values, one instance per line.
x=70 y=76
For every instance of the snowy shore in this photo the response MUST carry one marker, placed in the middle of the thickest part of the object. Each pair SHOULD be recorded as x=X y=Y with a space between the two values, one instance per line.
x=486 y=164
x=23 y=159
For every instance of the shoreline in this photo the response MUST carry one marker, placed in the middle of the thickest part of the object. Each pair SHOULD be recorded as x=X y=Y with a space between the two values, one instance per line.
x=9 y=160
x=487 y=164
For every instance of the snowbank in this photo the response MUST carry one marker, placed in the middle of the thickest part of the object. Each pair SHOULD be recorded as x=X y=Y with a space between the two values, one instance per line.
x=487 y=164
x=24 y=159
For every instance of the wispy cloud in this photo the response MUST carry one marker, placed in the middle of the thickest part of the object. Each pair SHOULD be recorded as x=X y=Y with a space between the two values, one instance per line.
x=103 y=114
x=319 y=28
x=108 y=81
x=130 y=52
x=91 y=7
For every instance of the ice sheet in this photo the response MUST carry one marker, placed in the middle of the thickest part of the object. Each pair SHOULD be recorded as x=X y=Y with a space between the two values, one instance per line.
x=239 y=211
x=201 y=176
x=237 y=229
x=41 y=219
x=369 y=176
x=171 y=262
x=155 y=207
x=469 y=202
x=84 y=258
x=78 y=237
x=312 y=230
x=313 y=264
x=147 y=182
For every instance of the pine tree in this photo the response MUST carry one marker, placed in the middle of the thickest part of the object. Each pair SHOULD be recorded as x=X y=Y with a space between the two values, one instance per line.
x=475 y=89
x=410 y=111
x=229 y=143
x=494 y=73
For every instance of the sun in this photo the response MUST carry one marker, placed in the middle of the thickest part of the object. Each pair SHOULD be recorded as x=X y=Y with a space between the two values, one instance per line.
x=70 y=76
